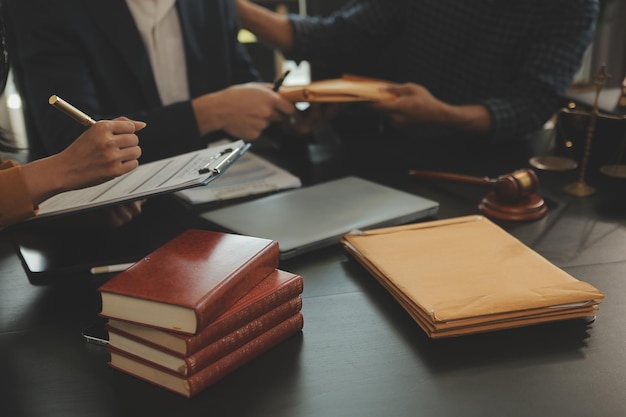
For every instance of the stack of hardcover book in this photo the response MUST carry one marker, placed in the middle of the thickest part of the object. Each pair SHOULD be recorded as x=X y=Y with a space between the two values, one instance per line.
x=199 y=307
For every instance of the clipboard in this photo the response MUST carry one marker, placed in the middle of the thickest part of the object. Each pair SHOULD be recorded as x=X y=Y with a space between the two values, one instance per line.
x=192 y=169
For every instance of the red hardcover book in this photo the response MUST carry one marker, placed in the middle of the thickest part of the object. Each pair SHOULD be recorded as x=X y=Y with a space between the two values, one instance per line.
x=276 y=289
x=210 y=353
x=190 y=280
x=190 y=386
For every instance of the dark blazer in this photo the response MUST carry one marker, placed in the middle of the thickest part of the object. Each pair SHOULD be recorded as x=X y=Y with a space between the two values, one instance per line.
x=90 y=53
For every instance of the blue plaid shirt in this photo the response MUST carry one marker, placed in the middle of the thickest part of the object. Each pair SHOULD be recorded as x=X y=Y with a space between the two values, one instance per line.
x=515 y=57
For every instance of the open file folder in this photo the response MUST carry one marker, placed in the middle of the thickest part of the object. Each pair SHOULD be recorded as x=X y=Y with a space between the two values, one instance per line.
x=467 y=275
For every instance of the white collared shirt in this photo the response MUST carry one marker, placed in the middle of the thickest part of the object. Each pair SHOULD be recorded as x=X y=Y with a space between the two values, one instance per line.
x=159 y=26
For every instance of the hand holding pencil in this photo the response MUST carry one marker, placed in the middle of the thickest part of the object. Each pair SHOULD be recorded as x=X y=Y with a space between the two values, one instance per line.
x=107 y=149
x=104 y=151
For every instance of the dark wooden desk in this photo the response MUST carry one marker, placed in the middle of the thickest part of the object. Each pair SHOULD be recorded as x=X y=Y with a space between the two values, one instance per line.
x=360 y=354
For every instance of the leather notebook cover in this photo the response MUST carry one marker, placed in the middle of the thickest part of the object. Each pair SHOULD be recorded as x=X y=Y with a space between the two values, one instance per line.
x=467 y=275
x=198 y=274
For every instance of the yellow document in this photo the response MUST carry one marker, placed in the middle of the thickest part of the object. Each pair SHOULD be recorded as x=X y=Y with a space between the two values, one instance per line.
x=467 y=275
x=349 y=88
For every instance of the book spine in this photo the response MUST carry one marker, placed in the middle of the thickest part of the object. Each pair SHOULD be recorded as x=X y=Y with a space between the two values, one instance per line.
x=226 y=324
x=286 y=293
x=239 y=337
x=261 y=344
x=209 y=375
x=243 y=279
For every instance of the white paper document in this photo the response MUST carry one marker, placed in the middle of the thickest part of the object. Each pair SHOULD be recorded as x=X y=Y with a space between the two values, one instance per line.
x=249 y=176
x=192 y=169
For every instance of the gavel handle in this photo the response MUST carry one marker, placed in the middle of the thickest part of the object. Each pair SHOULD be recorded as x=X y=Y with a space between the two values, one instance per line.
x=448 y=176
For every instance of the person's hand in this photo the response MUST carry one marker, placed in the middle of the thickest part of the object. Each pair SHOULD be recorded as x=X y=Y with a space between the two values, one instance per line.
x=103 y=218
x=119 y=215
x=106 y=150
x=413 y=104
x=243 y=111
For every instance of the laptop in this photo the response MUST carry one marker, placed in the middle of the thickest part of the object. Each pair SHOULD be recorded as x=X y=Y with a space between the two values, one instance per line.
x=310 y=218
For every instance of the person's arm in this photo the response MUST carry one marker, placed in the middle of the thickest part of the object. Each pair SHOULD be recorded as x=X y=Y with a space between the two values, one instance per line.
x=270 y=27
x=552 y=56
x=106 y=150
x=346 y=40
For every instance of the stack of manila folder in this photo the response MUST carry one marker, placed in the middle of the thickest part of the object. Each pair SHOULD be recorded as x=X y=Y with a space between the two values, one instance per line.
x=467 y=275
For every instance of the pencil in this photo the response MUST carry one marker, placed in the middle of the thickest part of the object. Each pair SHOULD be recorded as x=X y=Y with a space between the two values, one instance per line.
x=109 y=268
x=71 y=111
x=281 y=80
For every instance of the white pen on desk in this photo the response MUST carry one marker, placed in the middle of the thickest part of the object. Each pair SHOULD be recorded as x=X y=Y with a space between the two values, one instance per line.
x=110 y=268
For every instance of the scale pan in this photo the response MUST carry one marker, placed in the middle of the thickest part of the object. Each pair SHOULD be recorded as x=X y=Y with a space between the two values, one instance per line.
x=553 y=163
x=614 y=170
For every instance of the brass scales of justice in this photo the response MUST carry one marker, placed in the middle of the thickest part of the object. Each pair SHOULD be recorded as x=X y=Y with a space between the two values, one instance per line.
x=596 y=126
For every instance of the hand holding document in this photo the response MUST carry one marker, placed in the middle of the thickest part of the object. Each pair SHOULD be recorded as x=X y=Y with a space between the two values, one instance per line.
x=349 y=88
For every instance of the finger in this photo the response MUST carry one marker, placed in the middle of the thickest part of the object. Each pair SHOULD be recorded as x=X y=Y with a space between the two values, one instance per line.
x=113 y=218
x=127 y=166
x=139 y=125
x=123 y=125
x=285 y=107
x=135 y=207
x=399 y=90
x=123 y=214
x=126 y=141
x=129 y=153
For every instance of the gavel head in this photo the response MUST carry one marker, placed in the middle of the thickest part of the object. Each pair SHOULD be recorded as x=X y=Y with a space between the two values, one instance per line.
x=516 y=186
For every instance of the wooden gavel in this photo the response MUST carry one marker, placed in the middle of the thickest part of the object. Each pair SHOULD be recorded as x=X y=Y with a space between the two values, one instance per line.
x=508 y=188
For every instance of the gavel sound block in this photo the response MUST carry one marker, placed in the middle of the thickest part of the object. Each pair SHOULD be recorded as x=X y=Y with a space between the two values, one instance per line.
x=512 y=197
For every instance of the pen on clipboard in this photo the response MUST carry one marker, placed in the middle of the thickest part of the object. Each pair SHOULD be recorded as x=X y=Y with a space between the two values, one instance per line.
x=280 y=81
x=104 y=269
x=71 y=111
x=218 y=168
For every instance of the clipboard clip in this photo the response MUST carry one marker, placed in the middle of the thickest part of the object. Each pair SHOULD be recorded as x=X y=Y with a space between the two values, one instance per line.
x=229 y=152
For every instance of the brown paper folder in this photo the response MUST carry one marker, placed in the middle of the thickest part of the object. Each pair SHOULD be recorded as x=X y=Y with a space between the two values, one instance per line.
x=466 y=275
x=349 y=88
